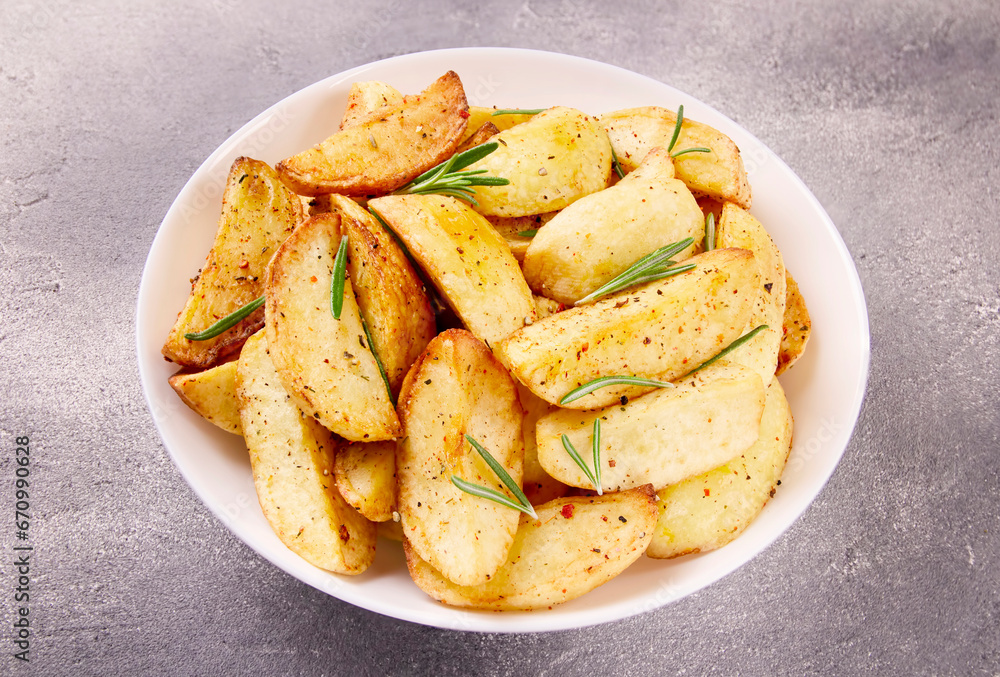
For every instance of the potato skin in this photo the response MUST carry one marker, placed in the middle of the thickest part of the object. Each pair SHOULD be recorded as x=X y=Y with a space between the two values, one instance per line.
x=258 y=213
x=380 y=155
x=661 y=330
x=575 y=545
x=796 y=326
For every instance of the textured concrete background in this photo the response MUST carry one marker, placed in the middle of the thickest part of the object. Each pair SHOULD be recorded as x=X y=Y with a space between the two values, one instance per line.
x=888 y=112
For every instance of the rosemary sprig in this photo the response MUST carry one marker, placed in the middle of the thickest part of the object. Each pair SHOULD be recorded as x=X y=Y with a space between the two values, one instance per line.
x=710 y=232
x=522 y=502
x=730 y=348
x=697 y=149
x=677 y=128
x=378 y=360
x=447 y=179
x=517 y=111
x=531 y=232
x=653 y=266
x=595 y=476
x=229 y=321
x=605 y=381
x=338 y=280
x=616 y=165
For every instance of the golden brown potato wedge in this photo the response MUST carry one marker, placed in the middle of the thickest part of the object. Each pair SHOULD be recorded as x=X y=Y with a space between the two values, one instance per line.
x=705 y=512
x=365 y=474
x=737 y=228
x=324 y=363
x=575 y=545
x=480 y=136
x=796 y=326
x=383 y=154
x=389 y=292
x=662 y=437
x=292 y=460
x=457 y=388
x=551 y=161
x=539 y=487
x=367 y=101
x=466 y=259
x=597 y=237
x=519 y=230
x=635 y=131
x=479 y=115
x=661 y=330
x=258 y=213
x=211 y=394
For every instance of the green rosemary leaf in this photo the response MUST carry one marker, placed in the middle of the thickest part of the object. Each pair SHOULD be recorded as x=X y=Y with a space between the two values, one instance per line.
x=616 y=165
x=605 y=381
x=378 y=360
x=338 y=279
x=507 y=480
x=517 y=111
x=677 y=127
x=448 y=179
x=575 y=455
x=531 y=232
x=655 y=262
x=596 y=443
x=472 y=156
x=699 y=149
x=490 y=494
x=710 y=232
x=659 y=275
x=730 y=348
x=228 y=322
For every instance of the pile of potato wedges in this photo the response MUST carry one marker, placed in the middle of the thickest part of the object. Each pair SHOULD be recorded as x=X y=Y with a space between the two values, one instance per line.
x=359 y=381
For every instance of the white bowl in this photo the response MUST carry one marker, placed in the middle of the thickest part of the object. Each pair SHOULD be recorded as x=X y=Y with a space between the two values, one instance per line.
x=825 y=388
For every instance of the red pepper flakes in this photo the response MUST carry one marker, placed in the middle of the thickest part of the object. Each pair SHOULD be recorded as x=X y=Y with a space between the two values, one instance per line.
x=708 y=492
x=567 y=510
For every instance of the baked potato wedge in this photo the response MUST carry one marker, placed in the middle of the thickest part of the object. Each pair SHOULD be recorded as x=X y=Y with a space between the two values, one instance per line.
x=575 y=545
x=389 y=291
x=458 y=389
x=518 y=230
x=662 y=437
x=368 y=100
x=720 y=173
x=737 y=228
x=384 y=153
x=258 y=213
x=539 y=486
x=466 y=259
x=479 y=136
x=325 y=364
x=292 y=457
x=705 y=512
x=597 y=237
x=211 y=394
x=480 y=115
x=796 y=326
x=661 y=330
x=551 y=161
x=365 y=474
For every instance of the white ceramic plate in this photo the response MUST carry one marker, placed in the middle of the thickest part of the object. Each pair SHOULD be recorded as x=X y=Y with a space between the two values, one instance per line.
x=825 y=388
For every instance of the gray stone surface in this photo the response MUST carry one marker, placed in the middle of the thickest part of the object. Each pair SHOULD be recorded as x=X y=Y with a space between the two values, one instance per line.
x=887 y=110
